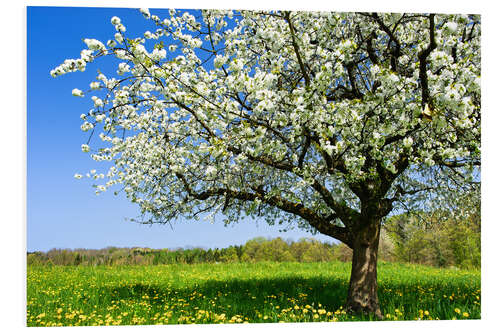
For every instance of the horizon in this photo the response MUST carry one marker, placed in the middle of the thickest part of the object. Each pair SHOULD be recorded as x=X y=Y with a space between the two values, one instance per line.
x=188 y=247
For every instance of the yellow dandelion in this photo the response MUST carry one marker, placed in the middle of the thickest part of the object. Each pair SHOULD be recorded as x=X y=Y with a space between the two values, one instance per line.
x=457 y=310
x=465 y=314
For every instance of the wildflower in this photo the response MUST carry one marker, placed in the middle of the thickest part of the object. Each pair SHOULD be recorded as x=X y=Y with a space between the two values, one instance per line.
x=457 y=310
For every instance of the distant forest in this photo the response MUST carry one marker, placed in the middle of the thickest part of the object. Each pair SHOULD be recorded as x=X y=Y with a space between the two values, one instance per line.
x=404 y=238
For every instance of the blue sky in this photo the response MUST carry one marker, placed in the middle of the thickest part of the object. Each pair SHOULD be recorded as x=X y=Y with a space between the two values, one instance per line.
x=63 y=212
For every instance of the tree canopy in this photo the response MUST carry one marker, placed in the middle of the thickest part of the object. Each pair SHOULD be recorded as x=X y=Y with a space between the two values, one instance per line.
x=326 y=121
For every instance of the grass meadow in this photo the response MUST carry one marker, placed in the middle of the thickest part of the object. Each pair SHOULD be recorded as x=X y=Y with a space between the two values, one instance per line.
x=264 y=292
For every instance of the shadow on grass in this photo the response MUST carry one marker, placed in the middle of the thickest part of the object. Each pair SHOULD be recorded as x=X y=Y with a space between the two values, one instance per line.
x=241 y=296
x=248 y=297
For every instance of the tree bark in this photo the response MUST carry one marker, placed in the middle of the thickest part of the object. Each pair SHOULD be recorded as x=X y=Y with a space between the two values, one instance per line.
x=362 y=295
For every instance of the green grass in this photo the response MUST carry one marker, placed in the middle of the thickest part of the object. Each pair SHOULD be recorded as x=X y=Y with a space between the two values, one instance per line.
x=240 y=292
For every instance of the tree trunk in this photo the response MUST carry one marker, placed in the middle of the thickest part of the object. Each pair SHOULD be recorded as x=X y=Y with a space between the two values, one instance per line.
x=362 y=295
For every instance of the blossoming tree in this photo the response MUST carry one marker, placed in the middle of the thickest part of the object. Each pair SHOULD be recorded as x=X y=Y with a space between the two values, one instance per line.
x=323 y=121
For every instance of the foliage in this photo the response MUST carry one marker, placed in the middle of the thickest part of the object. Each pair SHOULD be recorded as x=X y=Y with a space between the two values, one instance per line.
x=239 y=292
x=439 y=239
x=255 y=250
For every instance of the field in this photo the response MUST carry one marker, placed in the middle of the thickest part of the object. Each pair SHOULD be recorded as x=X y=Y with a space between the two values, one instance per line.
x=240 y=293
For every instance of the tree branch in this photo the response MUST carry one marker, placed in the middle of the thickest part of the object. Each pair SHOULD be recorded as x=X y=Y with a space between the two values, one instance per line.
x=296 y=49
x=422 y=57
x=318 y=222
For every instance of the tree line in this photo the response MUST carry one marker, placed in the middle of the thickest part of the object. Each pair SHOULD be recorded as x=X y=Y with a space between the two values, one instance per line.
x=407 y=238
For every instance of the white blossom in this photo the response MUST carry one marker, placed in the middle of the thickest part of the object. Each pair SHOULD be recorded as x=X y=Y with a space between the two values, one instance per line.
x=451 y=26
x=211 y=170
x=407 y=142
x=115 y=20
x=119 y=37
x=94 y=44
x=97 y=101
x=123 y=68
x=219 y=61
x=77 y=92
x=145 y=12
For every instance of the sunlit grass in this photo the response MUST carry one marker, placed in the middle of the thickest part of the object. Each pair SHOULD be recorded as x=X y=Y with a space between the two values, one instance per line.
x=240 y=293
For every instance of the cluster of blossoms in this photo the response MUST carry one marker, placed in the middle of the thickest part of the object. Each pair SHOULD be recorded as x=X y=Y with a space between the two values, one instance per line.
x=278 y=105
